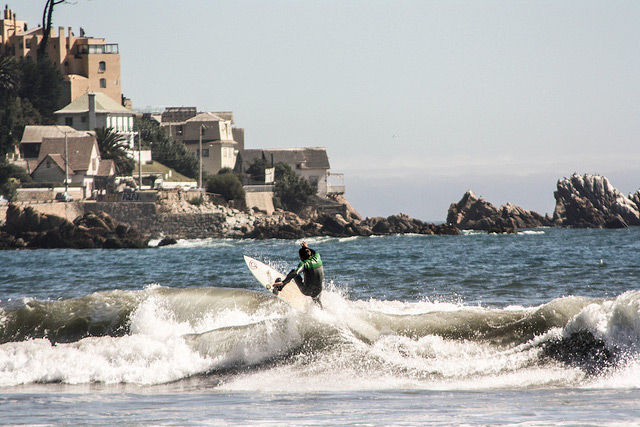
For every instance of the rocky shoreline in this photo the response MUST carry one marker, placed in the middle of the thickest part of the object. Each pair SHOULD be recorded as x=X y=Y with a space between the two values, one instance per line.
x=29 y=229
x=581 y=201
x=26 y=228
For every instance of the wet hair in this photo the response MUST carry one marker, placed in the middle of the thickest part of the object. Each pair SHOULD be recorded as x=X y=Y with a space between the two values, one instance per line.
x=304 y=253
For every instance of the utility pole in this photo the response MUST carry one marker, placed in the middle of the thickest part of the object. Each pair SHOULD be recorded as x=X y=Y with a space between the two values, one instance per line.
x=200 y=179
x=140 y=159
x=66 y=168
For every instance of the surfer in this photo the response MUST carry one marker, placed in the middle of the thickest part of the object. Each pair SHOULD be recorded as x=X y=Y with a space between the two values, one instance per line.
x=311 y=265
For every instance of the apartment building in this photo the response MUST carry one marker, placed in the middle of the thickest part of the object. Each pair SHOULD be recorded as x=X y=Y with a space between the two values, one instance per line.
x=88 y=64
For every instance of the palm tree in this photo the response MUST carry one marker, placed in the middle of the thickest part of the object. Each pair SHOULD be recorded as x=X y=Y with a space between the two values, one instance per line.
x=113 y=146
x=9 y=76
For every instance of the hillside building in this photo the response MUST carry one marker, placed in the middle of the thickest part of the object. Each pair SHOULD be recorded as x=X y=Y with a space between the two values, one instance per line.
x=87 y=64
x=311 y=163
x=75 y=157
x=221 y=141
x=96 y=110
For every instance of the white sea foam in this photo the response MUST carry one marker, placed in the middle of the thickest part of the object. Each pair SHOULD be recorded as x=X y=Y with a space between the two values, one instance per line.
x=531 y=232
x=350 y=345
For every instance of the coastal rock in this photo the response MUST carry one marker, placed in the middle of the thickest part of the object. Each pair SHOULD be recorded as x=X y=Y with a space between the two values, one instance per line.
x=524 y=218
x=290 y=226
x=26 y=228
x=403 y=224
x=474 y=213
x=590 y=201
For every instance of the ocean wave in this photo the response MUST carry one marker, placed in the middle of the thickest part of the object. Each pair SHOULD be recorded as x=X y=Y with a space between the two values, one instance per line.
x=161 y=334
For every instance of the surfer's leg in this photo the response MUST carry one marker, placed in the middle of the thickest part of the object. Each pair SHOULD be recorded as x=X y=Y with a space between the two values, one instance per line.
x=316 y=299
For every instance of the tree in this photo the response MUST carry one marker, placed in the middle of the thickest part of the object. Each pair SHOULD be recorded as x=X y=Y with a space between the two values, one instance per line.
x=113 y=146
x=29 y=92
x=227 y=184
x=9 y=77
x=11 y=176
x=47 y=22
x=41 y=84
x=292 y=192
x=165 y=150
x=255 y=171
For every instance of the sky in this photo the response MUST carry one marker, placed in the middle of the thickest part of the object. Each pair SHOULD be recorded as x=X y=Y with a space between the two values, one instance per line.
x=416 y=102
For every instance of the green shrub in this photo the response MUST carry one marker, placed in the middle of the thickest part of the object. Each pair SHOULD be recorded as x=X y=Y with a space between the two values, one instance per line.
x=197 y=201
x=292 y=191
x=228 y=185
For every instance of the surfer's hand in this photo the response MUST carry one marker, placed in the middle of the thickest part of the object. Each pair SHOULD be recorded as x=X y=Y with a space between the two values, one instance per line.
x=304 y=244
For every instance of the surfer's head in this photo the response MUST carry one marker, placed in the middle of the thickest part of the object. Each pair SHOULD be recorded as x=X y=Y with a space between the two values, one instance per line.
x=304 y=253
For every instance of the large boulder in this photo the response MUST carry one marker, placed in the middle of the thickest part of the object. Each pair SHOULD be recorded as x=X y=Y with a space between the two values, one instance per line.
x=472 y=213
x=27 y=228
x=590 y=201
x=404 y=224
x=524 y=218
x=475 y=213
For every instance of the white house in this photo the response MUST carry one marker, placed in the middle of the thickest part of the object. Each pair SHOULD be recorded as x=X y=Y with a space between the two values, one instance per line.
x=96 y=110
x=311 y=163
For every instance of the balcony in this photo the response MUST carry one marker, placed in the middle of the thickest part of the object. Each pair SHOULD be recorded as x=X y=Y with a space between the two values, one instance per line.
x=335 y=183
x=85 y=49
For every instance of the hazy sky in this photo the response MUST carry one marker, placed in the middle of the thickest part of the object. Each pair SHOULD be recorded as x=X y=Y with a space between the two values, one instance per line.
x=415 y=101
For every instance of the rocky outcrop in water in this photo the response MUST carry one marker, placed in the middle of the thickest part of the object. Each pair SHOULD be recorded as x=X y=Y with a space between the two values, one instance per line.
x=474 y=213
x=287 y=225
x=590 y=201
x=26 y=228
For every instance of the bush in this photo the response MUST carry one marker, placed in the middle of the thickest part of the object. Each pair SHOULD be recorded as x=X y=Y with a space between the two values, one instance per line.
x=228 y=185
x=11 y=177
x=196 y=201
x=292 y=192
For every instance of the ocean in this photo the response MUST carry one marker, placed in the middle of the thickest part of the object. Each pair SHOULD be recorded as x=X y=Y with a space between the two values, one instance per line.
x=538 y=328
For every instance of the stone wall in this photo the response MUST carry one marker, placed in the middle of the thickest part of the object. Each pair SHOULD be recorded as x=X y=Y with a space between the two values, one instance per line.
x=46 y=194
x=261 y=200
x=69 y=211
x=149 y=221
x=141 y=215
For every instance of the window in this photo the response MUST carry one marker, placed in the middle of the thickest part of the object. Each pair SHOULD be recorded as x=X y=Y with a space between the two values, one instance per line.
x=205 y=152
x=103 y=83
x=68 y=121
x=83 y=119
x=102 y=67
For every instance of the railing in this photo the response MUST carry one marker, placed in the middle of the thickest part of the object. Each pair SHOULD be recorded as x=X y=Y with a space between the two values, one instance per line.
x=258 y=188
x=335 y=183
x=84 y=49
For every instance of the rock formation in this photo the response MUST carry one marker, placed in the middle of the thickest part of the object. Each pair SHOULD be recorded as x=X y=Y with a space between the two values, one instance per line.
x=473 y=213
x=590 y=201
x=26 y=228
x=286 y=225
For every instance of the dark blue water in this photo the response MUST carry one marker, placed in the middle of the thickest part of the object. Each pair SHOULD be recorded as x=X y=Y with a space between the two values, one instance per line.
x=542 y=327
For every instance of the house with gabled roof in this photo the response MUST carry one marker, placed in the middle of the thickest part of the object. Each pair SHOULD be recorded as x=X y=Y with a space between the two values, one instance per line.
x=32 y=140
x=96 y=110
x=310 y=163
x=84 y=166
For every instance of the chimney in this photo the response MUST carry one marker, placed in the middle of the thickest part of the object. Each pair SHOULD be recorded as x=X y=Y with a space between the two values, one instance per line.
x=92 y=111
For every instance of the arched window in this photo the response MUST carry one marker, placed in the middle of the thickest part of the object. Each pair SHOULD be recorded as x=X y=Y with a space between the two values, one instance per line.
x=102 y=67
x=103 y=83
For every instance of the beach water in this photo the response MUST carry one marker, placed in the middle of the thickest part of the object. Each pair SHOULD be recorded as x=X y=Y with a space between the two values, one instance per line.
x=538 y=328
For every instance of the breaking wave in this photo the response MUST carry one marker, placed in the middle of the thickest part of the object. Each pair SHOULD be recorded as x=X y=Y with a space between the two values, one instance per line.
x=241 y=339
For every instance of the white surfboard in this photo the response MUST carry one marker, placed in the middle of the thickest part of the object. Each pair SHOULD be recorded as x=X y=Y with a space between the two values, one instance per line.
x=267 y=275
